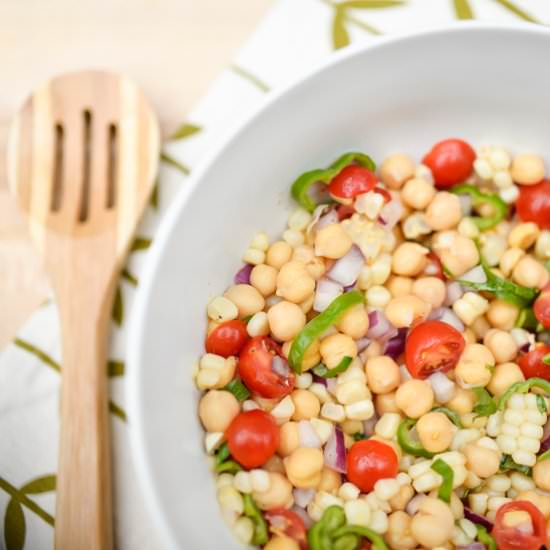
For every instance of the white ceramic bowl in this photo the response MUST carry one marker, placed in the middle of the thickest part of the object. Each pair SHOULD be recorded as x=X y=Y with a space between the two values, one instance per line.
x=478 y=82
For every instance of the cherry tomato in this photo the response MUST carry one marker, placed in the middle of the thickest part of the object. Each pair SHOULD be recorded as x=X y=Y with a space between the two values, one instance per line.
x=385 y=194
x=253 y=438
x=432 y=346
x=255 y=368
x=288 y=523
x=531 y=363
x=366 y=545
x=533 y=204
x=370 y=460
x=541 y=307
x=227 y=339
x=344 y=211
x=451 y=161
x=510 y=538
x=434 y=267
x=353 y=180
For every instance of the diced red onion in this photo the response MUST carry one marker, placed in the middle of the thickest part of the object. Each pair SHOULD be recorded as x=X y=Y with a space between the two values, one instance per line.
x=545 y=444
x=242 y=277
x=475 y=275
x=473 y=546
x=335 y=451
x=448 y=316
x=465 y=204
x=414 y=504
x=525 y=347
x=328 y=219
x=280 y=366
x=396 y=345
x=325 y=293
x=302 y=497
x=346 y=270
x=454 y=293
x=478 y=519
x=442 y=387
x=391 y=213
x=379 y=326
x=317 y=213
x=363 y=344
x=308 y=436
x=368 y=425
x=308 y=522
x=319 y=379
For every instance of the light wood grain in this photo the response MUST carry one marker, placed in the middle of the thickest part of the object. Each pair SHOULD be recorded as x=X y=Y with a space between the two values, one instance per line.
x=172 y=48
x=82 y=159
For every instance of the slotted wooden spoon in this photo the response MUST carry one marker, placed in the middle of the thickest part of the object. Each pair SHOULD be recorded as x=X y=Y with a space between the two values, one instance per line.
x=82 y=158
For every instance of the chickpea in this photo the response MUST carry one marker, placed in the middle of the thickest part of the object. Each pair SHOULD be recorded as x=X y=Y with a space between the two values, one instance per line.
x=385 y=403
x=524 y=235
x=316 y=268
x=331 y=480
x=401 y=499
x=354 y=322
x=415 y=397
x=433 y=524
x=501 y=344
x=306 y=405
x=281 y=543
x=417 y=193
x=332 y=242
x=541 y=475
x=480 y=327
x=311 y=358
x=463 y=401
x=530 y=272
x=473 y=366
x=278 y=254
x=303 y=253
x=294 y=283
x=289 y=438
x=227 y=372
x=303 y=467
x=383 y=374
x=509 y=260
x=409 y=259
x=483 y=462
x=217 y=409
x=542 y=502
x=275 y=465
x=286 y=320
x=395 y=170
x=374 y=349
x=502 y=315
x=264 y=278
x=402 y=311
x=503 y=377
x=457 y=253
x=399 y=286
x=444 y=212
x=247 y=299
x=399 y=534
x=335 y=347
x=279 y=494
x=469 y=336
x=431 y=290
x=435 y=431
x=527 y=169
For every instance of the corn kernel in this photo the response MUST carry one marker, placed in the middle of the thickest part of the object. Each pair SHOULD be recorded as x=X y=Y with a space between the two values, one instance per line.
x=426 y=482
x=379 y=522
x=258 y=325
x=542 y=246
x=212 y=440
x=500 y=483
x=293 y=238
x=523 y=235
x=529 y=444
x=360 y=410
x=333 y=411
x=387 y=426
x=468 y=228
x=503 y=179
x=260 y=480
x=478 y=502
x=250 y=405
x=521 y=482
x=243 y=529
x=320 y=392
x=348 y=491
x=299 y=219
x=483 y=169
x=532 y=430
x=494 y=503
x=381 y=269
x=207 y=379
x=243 y=482
x=507 y=443
x=525 y=458
x=284 y=409
x=385 y=489
x=378 y=296
x=222 y=309
x=304 y=381
x=229 y=498
x=357 y=512
x=352 y=392
x=509 y=194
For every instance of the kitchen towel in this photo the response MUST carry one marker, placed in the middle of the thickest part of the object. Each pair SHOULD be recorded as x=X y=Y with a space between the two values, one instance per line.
x=294 y=37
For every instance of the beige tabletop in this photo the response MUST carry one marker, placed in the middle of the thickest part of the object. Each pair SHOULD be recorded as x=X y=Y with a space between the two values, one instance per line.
x=172 y=48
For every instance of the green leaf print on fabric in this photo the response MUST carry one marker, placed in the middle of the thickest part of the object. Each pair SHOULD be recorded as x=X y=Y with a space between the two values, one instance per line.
x=185 y=130
x=40 y=485
x=515 y=9
x=340 y=35
x=463 y=9
x=127 y=276
x=140 y=243
x=154 y=200
x=14 y=526
x=115 y=368
x=370 y=4
x=43 y=356
x=175 y=164
x=118 y=411
x=118 y=307
x=253 y=79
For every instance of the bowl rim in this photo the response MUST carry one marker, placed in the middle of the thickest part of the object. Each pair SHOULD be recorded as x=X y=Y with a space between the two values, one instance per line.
x=136 y=413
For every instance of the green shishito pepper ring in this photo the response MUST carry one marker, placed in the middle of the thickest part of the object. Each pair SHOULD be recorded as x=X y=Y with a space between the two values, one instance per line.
x=500 y=208
x=523 y=387
x=407 y=443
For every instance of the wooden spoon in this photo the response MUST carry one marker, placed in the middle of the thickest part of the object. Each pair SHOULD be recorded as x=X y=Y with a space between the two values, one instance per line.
x=82 y=158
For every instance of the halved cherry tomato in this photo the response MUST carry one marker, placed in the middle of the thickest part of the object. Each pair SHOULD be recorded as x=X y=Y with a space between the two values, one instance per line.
x=288 y=523
x=510 y=538
x=344 y=211
x=434 y=267
x=227 y=339
x=255 y=368
x=253 y=438
x=531 y=363
x=451 y=161
x=384 y=192
x=366 y=545
x=541 y=307
x=533 y=204
x=432 y=346
x=370 y=460
x=353 y=180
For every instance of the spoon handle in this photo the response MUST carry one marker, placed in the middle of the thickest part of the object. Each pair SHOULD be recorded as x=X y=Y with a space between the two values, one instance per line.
x=84 y=509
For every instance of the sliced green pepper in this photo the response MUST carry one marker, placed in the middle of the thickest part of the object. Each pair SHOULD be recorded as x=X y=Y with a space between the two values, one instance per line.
x=485 y=405
x=238 y=389
x=407 y=443
x=500 y=208
x=544 y=456
x=302 y=185
x=507 y=463
x=446 y=472
x=527 y=320
x=223 y=454
x=376 y=539
x=222 y=462
x=261 y=533
x=319 y=324
x=541 y=404
x=342 y=366
x=485 y=538
x=319 y=536
x=451 y=415
x=546 y=359
x=523 y=387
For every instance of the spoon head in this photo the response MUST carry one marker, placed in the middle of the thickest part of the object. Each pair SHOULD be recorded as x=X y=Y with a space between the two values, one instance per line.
x=83 y=155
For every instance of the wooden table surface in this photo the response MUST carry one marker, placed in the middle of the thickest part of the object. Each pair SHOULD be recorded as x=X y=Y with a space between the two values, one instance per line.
x=172 y=48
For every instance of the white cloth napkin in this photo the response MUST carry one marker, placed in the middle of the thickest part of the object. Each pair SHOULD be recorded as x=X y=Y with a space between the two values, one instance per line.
x=294 y=37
